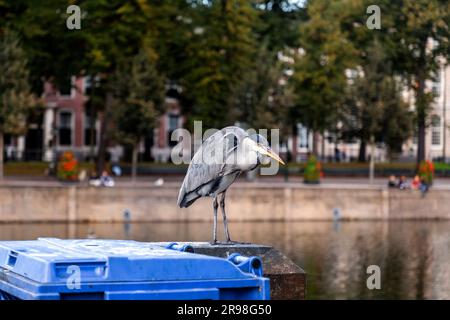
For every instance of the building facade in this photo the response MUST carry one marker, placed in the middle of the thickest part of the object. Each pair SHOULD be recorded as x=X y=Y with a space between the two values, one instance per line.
x=437 y=138
x=67 y=123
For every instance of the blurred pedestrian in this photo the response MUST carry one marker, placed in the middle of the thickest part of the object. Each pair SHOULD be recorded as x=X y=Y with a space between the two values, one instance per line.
x=403 y=183
x=424 y=186
x=415 y=185
x=392 y=182
x=106 y=180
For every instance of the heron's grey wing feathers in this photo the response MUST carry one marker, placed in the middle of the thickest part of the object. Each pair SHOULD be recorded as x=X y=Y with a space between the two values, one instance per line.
x=207 y=166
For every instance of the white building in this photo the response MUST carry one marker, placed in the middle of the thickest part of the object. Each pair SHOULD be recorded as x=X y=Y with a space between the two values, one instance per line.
x=437 y=139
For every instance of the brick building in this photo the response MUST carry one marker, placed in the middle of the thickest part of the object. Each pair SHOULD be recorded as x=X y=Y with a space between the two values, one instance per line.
x=66 y=123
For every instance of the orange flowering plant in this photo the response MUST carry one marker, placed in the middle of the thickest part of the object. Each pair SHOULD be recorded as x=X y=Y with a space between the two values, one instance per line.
x=426 y=171
x=68 y=166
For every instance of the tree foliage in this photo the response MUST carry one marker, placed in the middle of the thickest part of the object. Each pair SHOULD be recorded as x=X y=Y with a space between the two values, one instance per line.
x=16 y=98
x=418 y=39
x=323 y=58
x=221 y=56
x=220 y=52
x=139 y=95
x=262 y=98
x=374 y=106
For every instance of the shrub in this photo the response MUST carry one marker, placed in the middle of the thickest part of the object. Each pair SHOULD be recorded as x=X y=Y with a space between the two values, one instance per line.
x=426 y=171
x=68 y=167
x=313 y=170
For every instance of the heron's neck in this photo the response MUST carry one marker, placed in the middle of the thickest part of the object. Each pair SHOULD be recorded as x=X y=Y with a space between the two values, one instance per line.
x=247 y=158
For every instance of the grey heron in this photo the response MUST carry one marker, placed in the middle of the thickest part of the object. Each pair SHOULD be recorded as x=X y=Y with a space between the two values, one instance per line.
x=217 y=163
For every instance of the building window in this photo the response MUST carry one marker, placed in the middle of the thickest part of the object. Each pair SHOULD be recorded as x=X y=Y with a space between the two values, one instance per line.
x=436 y=86
x=302 y=137
x=65 y=87
x=89 y=84
x=90 y=133
x=65 y=128
x=173 y=125
x=435 y=130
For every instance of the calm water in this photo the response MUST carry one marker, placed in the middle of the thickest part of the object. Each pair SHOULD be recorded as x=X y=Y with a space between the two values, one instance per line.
x=414 y=257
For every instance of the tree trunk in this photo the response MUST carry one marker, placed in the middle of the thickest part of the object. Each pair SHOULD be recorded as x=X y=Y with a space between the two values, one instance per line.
x=421 y=115
x=103 y=138
x=444 y=118
x=1 y=155
x=294 y=144
x=372 y=159
x=315 y=143
x=362 y=150
x=92 y=129
x=421 y=139
x=322 y=146
x=134 y=162
x=421 y=103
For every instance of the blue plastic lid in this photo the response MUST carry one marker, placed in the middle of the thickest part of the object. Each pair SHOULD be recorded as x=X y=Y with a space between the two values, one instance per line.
x=49 y=260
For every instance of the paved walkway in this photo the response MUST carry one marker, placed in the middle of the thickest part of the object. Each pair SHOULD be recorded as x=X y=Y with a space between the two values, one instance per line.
x=440 y=183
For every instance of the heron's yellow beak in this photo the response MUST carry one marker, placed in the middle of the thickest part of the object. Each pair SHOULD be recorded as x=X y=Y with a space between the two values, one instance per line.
x=273 y=155
x=268 y=152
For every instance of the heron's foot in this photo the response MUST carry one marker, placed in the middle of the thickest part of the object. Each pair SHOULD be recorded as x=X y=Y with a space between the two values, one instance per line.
x=231 y=242
x=221 y=243
x=228 y=242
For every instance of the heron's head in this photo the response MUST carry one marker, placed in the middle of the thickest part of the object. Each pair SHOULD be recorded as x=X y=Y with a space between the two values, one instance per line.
x=260 y=145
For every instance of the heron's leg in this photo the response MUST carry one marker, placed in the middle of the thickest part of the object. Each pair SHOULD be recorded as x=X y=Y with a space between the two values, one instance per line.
x=215 y=206
x=225 y=222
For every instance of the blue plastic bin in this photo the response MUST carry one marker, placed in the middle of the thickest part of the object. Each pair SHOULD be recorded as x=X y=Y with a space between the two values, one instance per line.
x=56 y=269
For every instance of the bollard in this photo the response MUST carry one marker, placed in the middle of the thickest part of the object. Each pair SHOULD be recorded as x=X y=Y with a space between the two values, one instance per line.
x=247 y=264
x=180 y=247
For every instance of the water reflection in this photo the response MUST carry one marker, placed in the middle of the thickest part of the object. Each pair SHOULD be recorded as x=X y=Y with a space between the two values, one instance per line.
x=413 y=256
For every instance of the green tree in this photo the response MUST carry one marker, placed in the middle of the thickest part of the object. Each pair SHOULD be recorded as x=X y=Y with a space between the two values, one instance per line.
x=262 y=98
x=175 y=24
x=138 y=101
x=219 y=53
x=325 y=55
x=418 y=37
x=280 y=21
x=16 y=98
x=397 y=120
x=114 y=32
x=374 y=103
x=54 y=53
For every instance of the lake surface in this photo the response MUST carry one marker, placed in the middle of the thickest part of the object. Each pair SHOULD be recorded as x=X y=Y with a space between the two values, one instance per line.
x=414 y=256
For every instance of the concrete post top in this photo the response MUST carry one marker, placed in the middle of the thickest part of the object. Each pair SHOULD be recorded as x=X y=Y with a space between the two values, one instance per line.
x=287 y=280
x=221 y=245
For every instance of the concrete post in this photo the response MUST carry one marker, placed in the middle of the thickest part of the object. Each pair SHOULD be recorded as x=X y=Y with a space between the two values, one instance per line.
x=49 y=118
x=287 y=280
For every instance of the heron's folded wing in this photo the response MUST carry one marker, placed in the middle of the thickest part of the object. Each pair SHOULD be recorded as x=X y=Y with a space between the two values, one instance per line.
x=209 y=162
